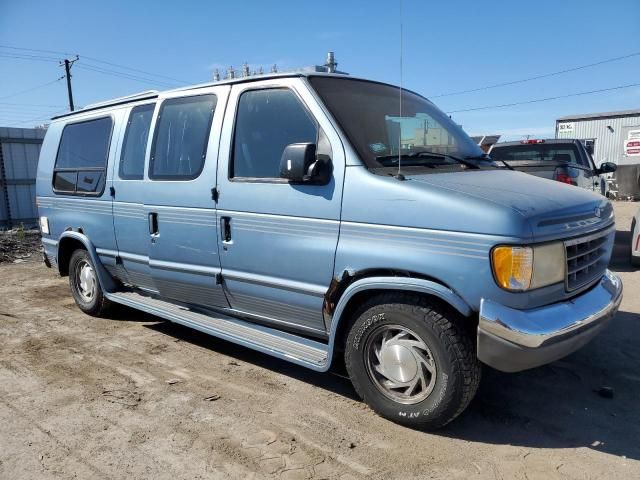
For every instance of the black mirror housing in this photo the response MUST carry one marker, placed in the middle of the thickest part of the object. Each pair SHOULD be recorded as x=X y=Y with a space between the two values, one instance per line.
x=607 y=167
x=299 y=164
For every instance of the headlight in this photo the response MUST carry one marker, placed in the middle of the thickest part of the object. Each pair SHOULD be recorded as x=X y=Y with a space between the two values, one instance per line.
x=519 y=268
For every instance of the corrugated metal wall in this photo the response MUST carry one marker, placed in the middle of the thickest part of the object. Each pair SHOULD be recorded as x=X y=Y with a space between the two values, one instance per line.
x=609 y=144
x=19 y=152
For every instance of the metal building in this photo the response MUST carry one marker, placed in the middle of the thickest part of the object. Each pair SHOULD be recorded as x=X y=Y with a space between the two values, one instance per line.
x=615 y=136
x=19 y=152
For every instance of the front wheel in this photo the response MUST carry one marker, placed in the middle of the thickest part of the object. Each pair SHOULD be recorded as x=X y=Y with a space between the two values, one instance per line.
x=85 y=286
x=412 y=362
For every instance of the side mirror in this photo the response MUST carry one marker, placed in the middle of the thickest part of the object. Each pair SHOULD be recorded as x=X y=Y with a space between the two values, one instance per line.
x=607 y=167
x=299 y=164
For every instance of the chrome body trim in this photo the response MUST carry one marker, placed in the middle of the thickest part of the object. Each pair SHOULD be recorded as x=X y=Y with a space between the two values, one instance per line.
x=554 y=323
x=593 y=236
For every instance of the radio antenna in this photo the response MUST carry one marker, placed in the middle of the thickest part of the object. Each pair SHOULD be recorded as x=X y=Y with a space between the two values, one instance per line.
x=399 y=176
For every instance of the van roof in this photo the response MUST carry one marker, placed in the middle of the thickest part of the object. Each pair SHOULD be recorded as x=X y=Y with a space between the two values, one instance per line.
x=149 y=94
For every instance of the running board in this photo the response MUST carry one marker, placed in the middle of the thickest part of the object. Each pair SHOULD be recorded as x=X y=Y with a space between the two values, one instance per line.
x=293 y=348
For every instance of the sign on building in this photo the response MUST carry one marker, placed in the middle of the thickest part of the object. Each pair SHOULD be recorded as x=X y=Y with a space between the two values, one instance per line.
x=565 y=127
x=632 y=144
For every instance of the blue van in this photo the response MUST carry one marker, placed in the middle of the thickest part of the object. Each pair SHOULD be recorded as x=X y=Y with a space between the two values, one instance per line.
x=314 y=218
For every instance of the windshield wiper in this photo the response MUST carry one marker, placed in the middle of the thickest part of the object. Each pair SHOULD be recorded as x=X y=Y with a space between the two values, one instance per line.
x=486 y=156
x=463 y=161
x=415 y=155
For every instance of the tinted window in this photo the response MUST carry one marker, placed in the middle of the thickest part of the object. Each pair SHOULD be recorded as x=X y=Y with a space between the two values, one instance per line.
x=134 y=145
x=180 y=138
x=65 y=181
x=82 y=157
x=85 y=144
x=266 y=122
x=537 y=153
x=90 y=182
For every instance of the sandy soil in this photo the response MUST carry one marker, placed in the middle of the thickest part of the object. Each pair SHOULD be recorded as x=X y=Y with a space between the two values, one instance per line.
x=136 y=397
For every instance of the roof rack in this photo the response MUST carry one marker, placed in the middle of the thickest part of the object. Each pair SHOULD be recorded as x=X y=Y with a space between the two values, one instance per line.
x=114 y=101
x=125 y=99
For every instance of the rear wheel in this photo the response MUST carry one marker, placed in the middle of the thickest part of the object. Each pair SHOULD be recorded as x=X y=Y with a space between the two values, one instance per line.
x=411 y=361
x=85 y=286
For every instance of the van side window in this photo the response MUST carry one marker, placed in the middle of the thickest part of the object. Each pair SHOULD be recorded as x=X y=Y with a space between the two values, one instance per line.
x=180 y=138
x=134 y=145
x=81 y=162
x=266 y=122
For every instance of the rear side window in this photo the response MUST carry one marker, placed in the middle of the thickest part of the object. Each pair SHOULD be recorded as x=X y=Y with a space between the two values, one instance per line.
x=81 y=162
x=267 y=121
x=537 y=153
x=134 y=145
x=180 y=138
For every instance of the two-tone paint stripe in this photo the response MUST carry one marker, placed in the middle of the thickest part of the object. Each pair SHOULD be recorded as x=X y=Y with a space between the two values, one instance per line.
x=432 y=241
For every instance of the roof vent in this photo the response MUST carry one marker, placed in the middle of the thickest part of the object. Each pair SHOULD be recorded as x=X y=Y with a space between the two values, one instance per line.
x=331 y=63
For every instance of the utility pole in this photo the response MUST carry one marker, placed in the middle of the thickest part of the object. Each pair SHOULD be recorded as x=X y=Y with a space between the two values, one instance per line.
x=67 y=69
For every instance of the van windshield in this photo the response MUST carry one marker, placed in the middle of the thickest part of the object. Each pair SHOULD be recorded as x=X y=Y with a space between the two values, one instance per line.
x=369 y=114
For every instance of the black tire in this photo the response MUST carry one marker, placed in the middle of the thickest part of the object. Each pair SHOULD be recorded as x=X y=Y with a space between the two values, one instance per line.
x=451 y=348
x=96 y=304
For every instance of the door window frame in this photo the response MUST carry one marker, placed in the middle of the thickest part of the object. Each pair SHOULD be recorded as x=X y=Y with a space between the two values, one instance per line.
x=124 y=142
x=231 y=162
x=77 y=170
x=156 y=124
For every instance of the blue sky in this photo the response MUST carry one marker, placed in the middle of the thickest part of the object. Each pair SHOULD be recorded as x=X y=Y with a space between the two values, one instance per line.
x=448 y=46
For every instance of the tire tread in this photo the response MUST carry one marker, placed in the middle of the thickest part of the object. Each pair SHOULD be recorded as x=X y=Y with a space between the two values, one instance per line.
x=454 y=338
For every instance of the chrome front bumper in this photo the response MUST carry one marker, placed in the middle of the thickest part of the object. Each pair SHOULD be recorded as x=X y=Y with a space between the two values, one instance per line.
x=512 y=340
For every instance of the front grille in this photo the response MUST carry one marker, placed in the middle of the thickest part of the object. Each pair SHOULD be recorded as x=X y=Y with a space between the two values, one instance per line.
x=586 y=259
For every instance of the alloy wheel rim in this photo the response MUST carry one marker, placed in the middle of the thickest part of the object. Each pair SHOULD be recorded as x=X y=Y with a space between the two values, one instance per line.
x=400 y=364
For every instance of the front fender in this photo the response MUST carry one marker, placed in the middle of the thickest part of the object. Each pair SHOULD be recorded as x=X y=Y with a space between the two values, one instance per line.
x=106 y=282
x=393 y=283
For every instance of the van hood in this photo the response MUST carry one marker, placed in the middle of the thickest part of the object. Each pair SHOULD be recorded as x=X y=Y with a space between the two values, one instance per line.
x=552 y=208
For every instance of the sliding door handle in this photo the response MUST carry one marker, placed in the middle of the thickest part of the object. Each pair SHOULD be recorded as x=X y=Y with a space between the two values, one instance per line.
x=225 y=229
x=153 y=224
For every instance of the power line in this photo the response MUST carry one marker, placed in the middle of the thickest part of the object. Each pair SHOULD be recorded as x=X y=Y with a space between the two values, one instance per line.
x=21 y=110
x=128 y=76
x=37 y=58
x=537 y=77
x=13 y=116
x=55 y=52
x=30 y=105
x=537 y=100
x=97 y=60
x=37 y=119
x=181 y=82
x=32 y=88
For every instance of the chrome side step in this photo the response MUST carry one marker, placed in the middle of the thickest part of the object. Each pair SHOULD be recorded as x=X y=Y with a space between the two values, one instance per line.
x=293 y=348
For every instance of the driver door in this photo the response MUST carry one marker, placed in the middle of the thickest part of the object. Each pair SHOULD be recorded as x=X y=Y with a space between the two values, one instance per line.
x=277 y=240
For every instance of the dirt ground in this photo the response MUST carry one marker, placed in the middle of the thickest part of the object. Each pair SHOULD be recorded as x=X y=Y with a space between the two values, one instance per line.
x=19 y=245
x=136 y=397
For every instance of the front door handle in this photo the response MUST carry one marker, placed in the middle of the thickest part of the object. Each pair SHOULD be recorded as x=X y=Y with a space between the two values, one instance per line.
x=153 y=224
x=225 y=229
